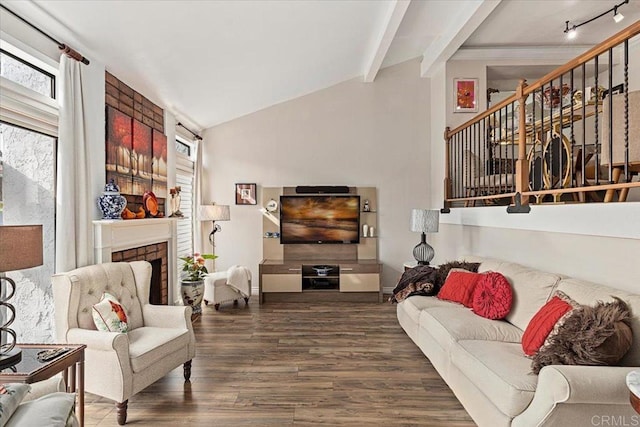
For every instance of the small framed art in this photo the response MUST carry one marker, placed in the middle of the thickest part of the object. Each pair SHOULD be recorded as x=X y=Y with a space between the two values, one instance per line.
x=465 y=95
x=246 y=194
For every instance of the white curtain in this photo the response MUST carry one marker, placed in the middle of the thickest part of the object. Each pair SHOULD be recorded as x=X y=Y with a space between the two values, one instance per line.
x=197 y=199
x=74 y=204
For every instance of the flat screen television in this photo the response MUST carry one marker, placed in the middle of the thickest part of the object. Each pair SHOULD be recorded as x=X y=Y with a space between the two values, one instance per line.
x=320 y=219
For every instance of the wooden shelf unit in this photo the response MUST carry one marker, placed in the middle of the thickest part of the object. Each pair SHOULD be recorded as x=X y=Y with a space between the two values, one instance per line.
x=286 y=272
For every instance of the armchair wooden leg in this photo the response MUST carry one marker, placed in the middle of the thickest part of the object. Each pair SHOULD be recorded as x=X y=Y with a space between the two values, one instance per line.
x=187 y=371
x=216 y=306
x=246 y=300
x=121 y=412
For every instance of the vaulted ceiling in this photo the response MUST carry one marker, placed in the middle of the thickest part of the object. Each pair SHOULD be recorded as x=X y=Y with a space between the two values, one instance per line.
x=213 y=61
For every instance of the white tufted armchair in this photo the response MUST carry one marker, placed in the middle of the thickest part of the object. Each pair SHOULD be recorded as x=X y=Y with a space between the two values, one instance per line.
x=118 y=365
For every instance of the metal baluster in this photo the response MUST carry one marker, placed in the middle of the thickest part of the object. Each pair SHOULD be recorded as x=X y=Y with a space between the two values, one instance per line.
x=572 y=140
x=513 y=150
x=584 y=125
x=610 y=130
x=626 y=112
x=597 y=140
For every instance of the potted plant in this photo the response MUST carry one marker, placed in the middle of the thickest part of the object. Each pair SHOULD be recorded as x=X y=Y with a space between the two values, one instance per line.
x=192 y=282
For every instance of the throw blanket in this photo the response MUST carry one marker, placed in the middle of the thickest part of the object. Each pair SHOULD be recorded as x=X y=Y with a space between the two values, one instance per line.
x=239 y=277
x=420 y=280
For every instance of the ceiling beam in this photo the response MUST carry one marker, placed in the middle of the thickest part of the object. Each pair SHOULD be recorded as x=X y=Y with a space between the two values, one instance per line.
x=443 y=48
x=397 y=10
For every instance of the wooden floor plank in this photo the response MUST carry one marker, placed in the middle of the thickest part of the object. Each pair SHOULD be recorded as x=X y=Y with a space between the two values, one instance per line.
x=302 y=364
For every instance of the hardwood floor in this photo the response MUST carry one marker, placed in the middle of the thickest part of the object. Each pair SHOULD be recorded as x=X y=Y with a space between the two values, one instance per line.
x=296 y=364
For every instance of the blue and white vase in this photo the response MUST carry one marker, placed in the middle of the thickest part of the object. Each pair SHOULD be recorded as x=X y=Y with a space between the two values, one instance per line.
x=111 y=203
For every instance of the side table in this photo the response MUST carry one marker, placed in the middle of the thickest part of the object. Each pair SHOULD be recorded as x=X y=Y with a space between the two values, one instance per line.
x=30 y=369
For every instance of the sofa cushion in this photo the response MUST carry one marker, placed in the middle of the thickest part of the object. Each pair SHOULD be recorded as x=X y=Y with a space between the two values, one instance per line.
x=589 y=293
x=531 y=288
x=52 y=410
x=11 y=395
x=598 y=335
x=414 y=305
x=499 y=370
x=448 y=325
x=147 y=345
x=459 y=287
x=492 y=297
x=546 y=320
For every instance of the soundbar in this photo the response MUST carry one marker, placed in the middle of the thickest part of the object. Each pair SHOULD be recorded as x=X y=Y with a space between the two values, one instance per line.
x=322 y=189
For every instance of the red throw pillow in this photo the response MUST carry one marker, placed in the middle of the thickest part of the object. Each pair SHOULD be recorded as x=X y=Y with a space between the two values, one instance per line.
x=543 y=322
x=493 y=296
x=459 y=287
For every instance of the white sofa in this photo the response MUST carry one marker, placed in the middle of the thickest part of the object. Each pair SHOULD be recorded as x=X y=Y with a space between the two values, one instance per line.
x=482 y=360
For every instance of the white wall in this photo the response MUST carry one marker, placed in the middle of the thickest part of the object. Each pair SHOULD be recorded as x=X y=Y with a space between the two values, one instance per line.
x=354 y=133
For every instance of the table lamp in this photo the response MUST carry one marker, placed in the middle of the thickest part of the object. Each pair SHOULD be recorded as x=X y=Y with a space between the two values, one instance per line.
x=424 y=221
x=214 y=213
x=20 y=248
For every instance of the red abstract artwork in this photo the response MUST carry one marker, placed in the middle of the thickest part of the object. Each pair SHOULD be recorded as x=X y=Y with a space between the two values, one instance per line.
x=119 y=147
x=159 y=167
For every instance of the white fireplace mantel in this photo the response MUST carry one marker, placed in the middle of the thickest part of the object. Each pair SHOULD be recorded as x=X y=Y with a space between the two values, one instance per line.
x=117 y=235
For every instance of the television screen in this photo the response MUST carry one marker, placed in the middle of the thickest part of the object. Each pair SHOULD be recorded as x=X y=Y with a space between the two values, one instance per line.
x=319 y=219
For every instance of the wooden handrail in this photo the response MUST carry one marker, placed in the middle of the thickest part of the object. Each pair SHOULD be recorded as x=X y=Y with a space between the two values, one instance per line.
x=483 y=115
x=475 y=133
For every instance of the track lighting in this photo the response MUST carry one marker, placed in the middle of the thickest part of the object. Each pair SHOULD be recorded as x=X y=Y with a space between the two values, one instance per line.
x=570 y=31
x=616 y=15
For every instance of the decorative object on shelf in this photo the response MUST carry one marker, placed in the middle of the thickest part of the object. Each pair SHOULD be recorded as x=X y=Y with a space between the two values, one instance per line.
x=272 y=206
x=372 y=231
x=366 y=207
x=20 y=248
x=365 y=230
x=111 y=203
x=150 y=203
x=322 y=270
x=424 y=221
x=246 y=194
x=553 y=97
x=214 y=213
x=571 y=31
x=175 y=202
x=192 y=282
x=465 y=94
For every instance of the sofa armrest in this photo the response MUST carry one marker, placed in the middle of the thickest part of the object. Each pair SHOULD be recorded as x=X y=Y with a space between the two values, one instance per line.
x=585 y=384
x=589 y=386
x=165 y=316
x=99 y=340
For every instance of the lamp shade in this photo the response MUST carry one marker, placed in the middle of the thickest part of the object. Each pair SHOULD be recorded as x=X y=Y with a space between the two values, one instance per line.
x=425 y=220
x=20 y=247
x=214 y=213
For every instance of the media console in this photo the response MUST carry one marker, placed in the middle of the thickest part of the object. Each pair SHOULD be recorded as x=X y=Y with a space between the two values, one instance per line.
x=291 y=273
x=357 y=280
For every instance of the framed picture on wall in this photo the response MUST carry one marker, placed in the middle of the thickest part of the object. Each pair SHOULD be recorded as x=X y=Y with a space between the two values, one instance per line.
x=465 y=95
x=246 y=194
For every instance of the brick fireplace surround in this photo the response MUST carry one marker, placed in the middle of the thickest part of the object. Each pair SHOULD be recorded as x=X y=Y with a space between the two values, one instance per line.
x=150 y=240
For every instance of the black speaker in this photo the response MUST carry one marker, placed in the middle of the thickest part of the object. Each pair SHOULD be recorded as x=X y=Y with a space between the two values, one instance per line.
x=322 y=189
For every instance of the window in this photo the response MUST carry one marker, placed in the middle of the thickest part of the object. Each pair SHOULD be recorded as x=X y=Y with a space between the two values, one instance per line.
x=183 y=148
x=25 y=74
x=28 y=143
x=185 y=180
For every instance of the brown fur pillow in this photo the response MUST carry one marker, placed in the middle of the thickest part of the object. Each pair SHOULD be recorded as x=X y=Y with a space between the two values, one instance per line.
x=599 y=335
x=443 y=270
